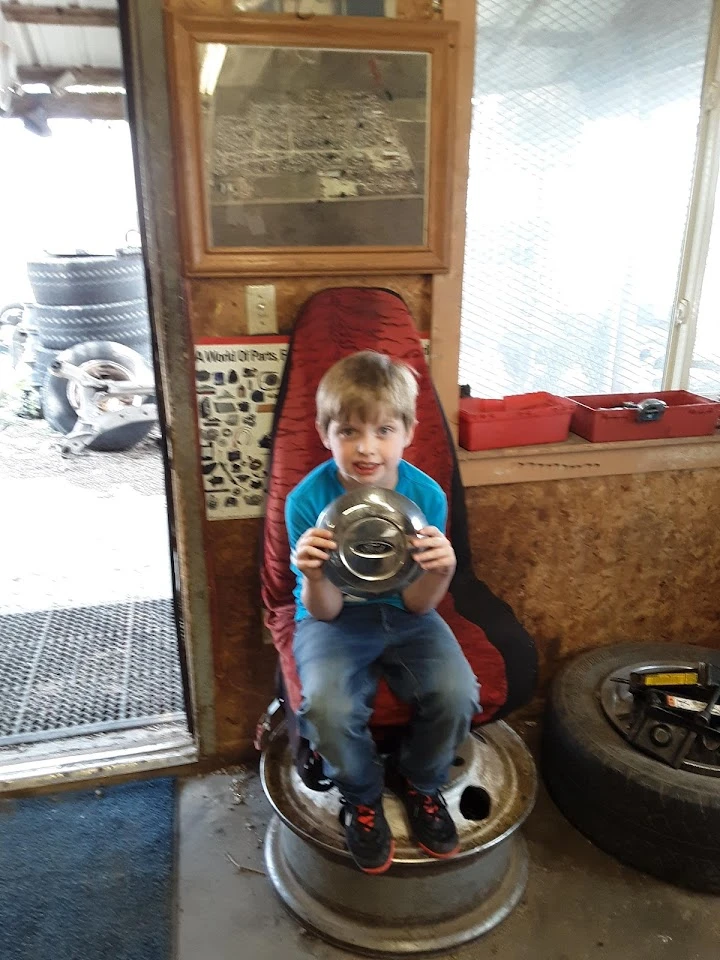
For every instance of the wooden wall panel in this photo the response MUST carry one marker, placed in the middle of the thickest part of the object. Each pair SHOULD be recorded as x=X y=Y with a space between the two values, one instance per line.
x=244 y=665
x=416 y=10
x=594 y=561
x=217 y=307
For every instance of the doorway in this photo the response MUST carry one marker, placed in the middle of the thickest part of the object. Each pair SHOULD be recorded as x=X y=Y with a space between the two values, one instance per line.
x=91 y=668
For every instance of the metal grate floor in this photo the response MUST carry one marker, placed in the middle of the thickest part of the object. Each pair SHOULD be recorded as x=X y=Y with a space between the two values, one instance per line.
x=88 y=669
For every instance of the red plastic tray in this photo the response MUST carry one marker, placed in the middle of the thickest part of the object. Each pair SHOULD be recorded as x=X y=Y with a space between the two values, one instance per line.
x=687 y=415
x=514 y=421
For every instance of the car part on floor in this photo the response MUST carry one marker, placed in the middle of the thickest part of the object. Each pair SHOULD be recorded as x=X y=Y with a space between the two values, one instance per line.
x=420 y=904
x=27 y=349
x=88 y=279
x=371 y=526
x=12 y=313
x=59 y=327
x=97 y=396
x=19 y=341
x=11 y=340
x=636 y=806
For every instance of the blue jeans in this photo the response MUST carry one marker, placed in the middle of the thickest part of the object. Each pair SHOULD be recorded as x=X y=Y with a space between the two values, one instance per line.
x=340 y=662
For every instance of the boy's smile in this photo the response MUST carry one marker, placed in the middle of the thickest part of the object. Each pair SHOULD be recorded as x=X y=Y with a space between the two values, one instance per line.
x=367 y=453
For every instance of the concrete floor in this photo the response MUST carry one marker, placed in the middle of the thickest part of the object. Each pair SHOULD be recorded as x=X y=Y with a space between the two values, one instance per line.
x=580 y=904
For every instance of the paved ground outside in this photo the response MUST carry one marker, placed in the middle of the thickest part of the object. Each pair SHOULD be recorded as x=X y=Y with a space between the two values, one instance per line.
x=81 y=531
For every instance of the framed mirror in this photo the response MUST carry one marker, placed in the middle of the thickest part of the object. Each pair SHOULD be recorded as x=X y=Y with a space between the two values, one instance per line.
x=312 y=146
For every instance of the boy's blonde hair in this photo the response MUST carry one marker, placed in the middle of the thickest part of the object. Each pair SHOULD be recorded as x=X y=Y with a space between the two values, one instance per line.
x=363 y=382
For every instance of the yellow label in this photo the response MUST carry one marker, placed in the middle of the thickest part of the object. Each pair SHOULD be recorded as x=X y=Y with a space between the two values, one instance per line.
x=670 y=679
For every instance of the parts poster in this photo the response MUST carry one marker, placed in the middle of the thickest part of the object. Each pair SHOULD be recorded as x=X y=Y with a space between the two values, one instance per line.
x=237 y=382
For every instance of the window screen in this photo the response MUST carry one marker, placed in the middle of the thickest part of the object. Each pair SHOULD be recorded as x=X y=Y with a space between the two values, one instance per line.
x=582 y=148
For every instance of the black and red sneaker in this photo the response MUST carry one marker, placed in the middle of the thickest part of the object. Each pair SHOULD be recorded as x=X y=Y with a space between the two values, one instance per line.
x=368 y=835
x=430 y=819
x=309 y=766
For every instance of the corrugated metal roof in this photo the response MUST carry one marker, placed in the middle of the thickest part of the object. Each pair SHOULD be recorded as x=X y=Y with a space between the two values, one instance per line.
x=51 y=45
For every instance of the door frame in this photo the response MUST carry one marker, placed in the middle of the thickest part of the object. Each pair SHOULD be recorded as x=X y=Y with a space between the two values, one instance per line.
x=148 y=107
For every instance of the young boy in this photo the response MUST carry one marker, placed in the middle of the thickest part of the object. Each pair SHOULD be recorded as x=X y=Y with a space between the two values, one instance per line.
x=366 y=419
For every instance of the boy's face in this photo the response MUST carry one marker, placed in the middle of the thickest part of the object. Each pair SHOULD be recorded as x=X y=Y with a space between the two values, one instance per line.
x=367 y=453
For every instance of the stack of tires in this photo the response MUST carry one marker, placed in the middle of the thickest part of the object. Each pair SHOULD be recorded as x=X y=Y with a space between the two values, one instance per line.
x=84 y=298
x=91 y=311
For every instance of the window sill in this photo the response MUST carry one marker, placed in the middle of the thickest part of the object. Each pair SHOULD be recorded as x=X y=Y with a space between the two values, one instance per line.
x=577 y=457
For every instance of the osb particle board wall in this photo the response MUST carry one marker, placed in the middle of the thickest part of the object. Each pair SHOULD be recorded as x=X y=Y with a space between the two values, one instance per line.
x=217 y=307
x=594 y=561
x=244 y=665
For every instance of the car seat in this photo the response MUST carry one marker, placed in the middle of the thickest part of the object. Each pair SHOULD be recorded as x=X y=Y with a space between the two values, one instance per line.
x=331 y=325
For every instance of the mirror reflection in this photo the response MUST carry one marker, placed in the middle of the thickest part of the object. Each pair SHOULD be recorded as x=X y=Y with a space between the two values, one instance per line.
x=314 y=147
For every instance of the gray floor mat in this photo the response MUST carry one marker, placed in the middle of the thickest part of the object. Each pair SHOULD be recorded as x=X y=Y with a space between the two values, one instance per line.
x=88 y=669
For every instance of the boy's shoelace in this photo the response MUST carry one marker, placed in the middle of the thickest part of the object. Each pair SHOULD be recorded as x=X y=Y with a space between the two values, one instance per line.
x=429 y=803
x=366 y=817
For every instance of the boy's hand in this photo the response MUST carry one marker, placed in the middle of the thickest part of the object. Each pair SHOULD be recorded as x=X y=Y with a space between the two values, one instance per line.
x=433 y=552
x=311 y=552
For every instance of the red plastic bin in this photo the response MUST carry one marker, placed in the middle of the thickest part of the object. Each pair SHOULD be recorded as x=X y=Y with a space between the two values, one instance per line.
x=514 y=421
x=687 y=415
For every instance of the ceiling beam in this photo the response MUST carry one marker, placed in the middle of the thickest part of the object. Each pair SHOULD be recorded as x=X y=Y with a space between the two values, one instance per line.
x=72 y=106
x=63 y=16
x=87 y=106
x=90 y=76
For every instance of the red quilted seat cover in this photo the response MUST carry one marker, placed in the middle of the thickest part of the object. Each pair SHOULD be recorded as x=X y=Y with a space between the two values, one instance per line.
x=332 y=324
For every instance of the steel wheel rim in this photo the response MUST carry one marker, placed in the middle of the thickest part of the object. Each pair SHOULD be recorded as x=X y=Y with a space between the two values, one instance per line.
x=103 y=370
x=513 y=756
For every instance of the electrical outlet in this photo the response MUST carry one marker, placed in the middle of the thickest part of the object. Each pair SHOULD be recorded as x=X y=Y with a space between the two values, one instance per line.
x=260 y=309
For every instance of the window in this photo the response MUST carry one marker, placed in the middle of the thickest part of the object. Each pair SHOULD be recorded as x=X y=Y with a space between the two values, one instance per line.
x=585 y=124
x=704 y=373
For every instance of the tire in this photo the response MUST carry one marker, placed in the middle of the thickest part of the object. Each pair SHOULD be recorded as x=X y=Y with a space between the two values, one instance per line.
x=61 y=327
x=58 y=281
x=43 y=359
x=663 y=821
x=143 y=346
x=60 y=412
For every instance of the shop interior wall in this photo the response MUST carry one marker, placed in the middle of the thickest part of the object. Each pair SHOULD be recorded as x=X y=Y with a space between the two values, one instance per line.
x=584 y=562
x=594 y=561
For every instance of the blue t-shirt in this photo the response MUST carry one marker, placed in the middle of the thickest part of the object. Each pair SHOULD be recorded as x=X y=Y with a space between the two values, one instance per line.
x=321 y=486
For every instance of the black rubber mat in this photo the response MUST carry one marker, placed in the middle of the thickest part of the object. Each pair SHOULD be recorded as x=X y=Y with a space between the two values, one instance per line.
x=88 y=669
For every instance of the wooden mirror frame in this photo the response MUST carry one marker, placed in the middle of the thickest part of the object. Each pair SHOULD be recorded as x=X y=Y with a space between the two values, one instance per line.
x=436 y=38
